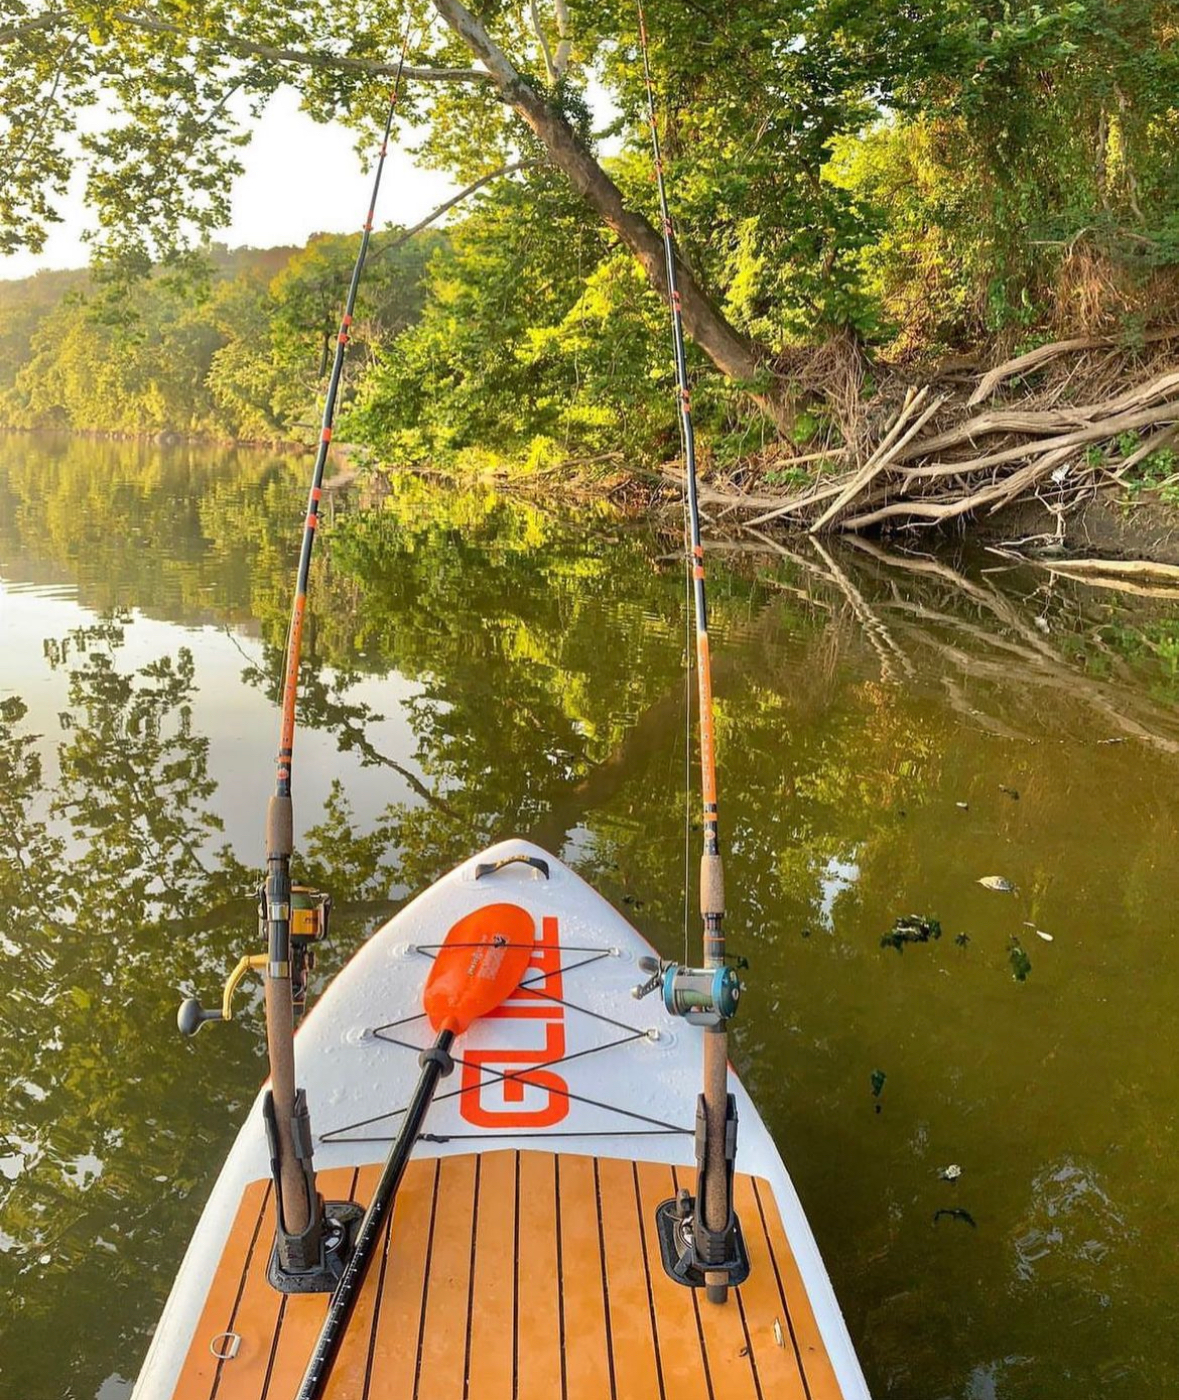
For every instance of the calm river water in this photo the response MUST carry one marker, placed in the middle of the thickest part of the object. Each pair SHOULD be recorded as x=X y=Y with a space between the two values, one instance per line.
x=893 y=728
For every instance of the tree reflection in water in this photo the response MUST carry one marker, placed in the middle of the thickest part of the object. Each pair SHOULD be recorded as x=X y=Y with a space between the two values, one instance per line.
x=876 y=709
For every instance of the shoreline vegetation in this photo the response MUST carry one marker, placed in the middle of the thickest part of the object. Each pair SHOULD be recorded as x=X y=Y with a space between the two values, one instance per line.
x=928 y=253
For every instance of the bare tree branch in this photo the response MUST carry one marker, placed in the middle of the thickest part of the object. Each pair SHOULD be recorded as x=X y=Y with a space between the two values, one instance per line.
x=235 y=45
x=478 y=184
x=565 y=43
x=538 y=30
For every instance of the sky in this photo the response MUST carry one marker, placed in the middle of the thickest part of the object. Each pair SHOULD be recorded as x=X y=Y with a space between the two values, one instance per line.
x=300 y=178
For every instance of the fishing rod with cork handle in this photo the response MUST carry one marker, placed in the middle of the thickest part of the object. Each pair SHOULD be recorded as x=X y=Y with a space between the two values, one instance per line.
x=700 y=1237
x=311 y=1240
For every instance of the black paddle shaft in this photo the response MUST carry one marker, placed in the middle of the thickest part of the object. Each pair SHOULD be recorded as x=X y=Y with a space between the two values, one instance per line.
x=435 y=1063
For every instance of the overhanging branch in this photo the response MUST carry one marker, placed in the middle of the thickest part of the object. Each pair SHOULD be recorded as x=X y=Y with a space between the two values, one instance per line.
x=435 y=214
x=233 y=44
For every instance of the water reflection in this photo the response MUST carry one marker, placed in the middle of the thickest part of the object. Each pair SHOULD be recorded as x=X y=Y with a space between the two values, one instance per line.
x=892 y=727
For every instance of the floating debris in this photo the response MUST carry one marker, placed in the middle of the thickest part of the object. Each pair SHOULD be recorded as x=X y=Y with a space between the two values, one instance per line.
x=1011 y=792
x=1021 y=964
x=632 y=901
x=997 y=883
x=961 y=939
x=1111 y=741
x=962 y=806
x=910 y=928
x=956 y=1213
x=806 y=932
x=1039 y=932
x=950 y=1173
x=878 y=1078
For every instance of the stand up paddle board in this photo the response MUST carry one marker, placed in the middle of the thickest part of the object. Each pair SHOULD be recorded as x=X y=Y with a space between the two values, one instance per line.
x=522 y=1257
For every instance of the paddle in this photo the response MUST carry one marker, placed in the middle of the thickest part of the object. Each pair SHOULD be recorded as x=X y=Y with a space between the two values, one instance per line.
x=479 y=965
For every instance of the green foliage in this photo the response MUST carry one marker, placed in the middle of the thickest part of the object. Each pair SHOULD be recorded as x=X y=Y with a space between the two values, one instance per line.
x=912 y=175
x=1157 y=471
x=238 y=352
x=538 y=342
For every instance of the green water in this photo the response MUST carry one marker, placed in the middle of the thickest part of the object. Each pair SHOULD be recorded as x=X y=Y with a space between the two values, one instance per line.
x=892 y=728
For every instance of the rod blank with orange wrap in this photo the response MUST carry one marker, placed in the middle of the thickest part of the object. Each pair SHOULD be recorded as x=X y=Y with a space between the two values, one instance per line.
x=711 y=884
x=298 y=1207
x=713 y=1226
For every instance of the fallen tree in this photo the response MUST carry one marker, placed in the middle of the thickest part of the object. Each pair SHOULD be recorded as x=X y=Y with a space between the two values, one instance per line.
x=934 y=457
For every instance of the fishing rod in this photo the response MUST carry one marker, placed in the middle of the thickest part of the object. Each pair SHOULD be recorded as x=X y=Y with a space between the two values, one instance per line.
x=312 y=1237
x=704 y=1234
x=296 y=1198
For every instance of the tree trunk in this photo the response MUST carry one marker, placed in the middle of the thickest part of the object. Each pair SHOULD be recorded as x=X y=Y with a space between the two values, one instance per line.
x=731 y=352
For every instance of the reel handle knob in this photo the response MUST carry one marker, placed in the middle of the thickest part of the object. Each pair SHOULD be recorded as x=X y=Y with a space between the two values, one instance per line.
x=192 y=1016
x=649 y=964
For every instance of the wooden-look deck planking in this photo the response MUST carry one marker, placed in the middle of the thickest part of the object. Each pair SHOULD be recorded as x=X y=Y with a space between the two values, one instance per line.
x=583 y=1285
x=520 y=1276
x=779 y=1373
x=632 y=1330
x=399 y=1323
x=722 y=1330
x=538 y=1279
x=303 y=1313
x=491 y=1343
x=681 y=1357
x=255 y=1320
x=198 y=1376
x=822 y=1382
x=442 y=1353
x=349 y=1374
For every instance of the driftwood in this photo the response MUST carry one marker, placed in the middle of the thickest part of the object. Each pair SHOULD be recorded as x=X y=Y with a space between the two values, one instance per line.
x=1036 y=359
x=1115 y=568
x=935 y=460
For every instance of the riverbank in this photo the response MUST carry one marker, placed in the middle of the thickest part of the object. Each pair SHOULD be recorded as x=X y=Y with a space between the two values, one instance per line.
x=1070 y=448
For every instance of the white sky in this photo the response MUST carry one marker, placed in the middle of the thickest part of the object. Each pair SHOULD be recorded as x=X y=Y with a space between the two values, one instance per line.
x=300 y=178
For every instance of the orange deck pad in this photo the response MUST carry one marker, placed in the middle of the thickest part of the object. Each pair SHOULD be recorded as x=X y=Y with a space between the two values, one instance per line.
x=518 y=1276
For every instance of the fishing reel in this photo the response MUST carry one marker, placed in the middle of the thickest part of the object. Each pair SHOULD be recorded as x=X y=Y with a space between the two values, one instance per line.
x=311 y=912
x=310 y=919
x=703 y=996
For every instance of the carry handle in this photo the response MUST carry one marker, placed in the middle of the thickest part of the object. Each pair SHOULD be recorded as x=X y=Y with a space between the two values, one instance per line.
x=489 y=867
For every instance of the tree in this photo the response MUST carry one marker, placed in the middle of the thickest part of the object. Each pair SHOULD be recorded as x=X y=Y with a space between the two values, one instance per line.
x=1069 y=97
x=172 y=73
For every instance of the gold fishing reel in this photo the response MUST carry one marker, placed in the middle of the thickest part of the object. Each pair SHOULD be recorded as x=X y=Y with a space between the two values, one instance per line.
x=310 y=915
x=310 y=919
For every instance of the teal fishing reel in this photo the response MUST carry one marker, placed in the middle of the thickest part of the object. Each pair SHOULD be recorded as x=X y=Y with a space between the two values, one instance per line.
x=702 y=996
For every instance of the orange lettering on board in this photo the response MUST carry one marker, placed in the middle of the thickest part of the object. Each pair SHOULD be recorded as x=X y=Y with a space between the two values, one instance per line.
x=495 y=1102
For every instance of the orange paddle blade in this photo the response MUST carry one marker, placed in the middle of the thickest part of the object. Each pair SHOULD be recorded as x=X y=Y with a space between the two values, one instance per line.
x=478 y=966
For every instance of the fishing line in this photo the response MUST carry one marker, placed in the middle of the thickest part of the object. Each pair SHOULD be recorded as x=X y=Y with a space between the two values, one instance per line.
x=687 y=722
x=688 y=453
